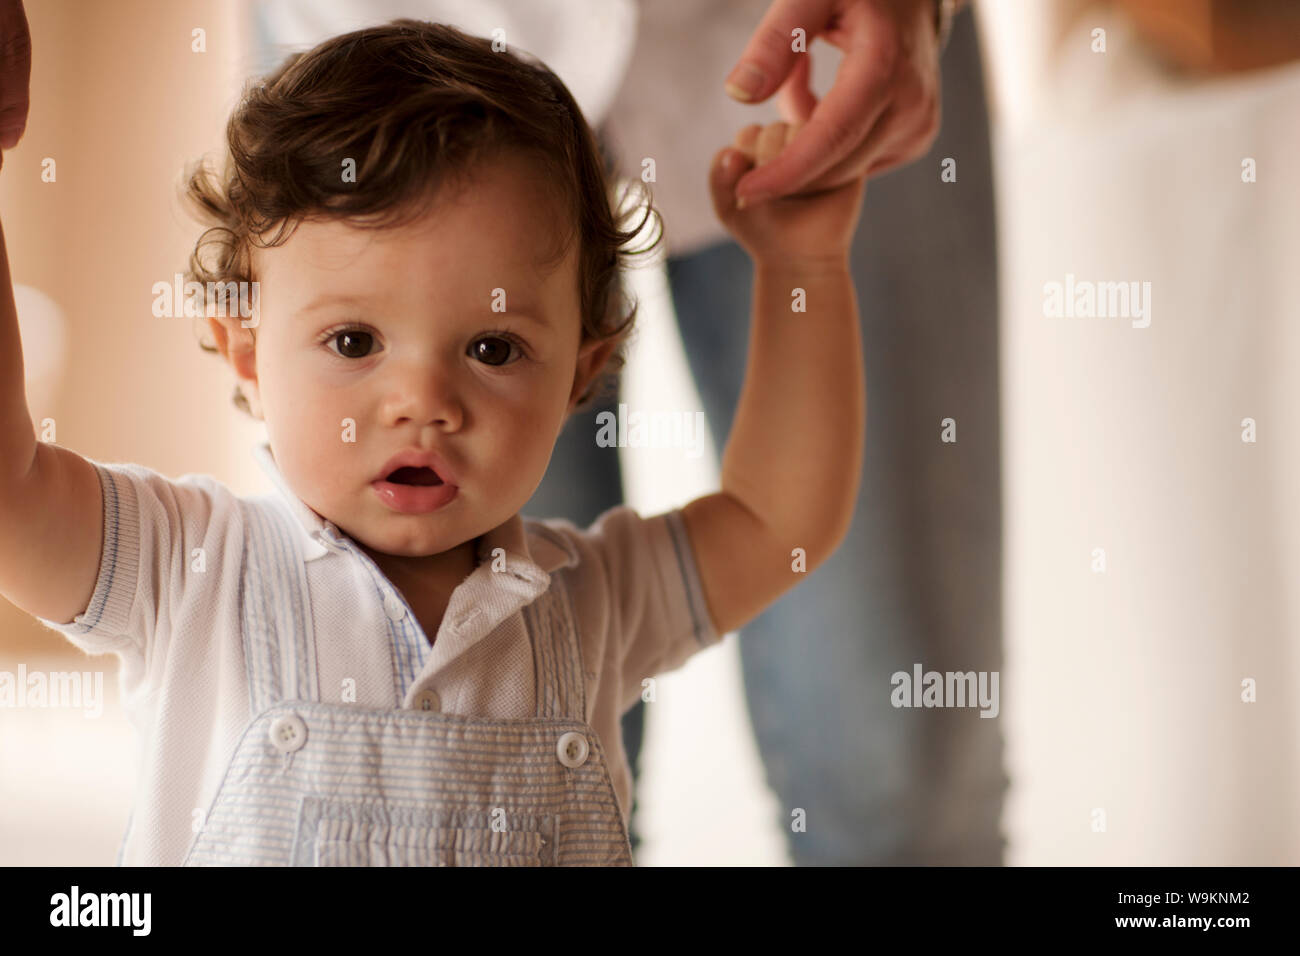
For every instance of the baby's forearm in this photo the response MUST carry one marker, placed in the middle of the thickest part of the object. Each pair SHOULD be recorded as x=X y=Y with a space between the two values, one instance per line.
x=794 y=456
x=17 y=438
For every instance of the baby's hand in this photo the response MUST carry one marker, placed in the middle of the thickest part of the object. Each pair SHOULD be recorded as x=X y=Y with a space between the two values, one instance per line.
x=809 y=227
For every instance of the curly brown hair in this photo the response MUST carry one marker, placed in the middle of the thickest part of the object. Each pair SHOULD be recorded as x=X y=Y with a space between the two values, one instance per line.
x=415 y=104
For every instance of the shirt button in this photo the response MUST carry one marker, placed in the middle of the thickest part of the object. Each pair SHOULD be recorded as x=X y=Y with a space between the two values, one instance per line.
x=393 y=607
x=428 y=700
x=288 y=733
x=572 y=750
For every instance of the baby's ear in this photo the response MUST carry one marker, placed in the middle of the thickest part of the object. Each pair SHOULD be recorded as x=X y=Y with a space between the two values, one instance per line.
x=235 y=343
x=238 y=346
x=592 y=357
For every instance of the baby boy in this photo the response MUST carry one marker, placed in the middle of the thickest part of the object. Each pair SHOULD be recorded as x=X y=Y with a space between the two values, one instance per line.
x=384 y=663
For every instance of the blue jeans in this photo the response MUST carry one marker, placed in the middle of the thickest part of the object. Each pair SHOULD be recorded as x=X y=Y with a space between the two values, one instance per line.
x=918 y=579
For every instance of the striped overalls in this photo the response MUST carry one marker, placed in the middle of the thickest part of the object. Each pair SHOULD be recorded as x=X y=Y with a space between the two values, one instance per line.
x=322 y=784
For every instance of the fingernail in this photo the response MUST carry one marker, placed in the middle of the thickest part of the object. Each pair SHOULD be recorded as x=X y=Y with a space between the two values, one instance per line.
x=745 y=82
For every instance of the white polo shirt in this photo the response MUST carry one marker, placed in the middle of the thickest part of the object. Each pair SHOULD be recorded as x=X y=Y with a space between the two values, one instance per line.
x=168 y=602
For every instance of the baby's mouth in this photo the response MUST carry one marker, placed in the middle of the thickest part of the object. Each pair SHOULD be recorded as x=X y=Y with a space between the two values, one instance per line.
x=406 y=475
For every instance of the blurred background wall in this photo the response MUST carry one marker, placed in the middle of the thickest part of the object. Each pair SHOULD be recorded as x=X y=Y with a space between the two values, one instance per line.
x=119 y=101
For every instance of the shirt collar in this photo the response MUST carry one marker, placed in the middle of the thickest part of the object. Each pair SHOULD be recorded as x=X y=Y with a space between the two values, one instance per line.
x=532 y=550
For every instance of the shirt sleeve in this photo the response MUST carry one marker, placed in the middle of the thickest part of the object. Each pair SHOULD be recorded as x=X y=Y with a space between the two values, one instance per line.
x=165 y=547
x=658 y=614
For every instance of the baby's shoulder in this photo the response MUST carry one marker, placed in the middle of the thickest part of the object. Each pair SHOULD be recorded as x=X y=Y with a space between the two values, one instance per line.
x=618 y=542
x=189 y=504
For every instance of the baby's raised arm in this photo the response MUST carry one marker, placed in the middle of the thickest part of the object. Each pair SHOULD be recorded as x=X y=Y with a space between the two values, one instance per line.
x=51 y=512
x=793 y=461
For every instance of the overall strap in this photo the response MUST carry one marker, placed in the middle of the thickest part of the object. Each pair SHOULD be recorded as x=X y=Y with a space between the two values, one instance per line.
x=557 y=653
x=279 y=654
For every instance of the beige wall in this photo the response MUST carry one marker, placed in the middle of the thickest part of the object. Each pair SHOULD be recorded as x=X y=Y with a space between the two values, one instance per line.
x=120 y=102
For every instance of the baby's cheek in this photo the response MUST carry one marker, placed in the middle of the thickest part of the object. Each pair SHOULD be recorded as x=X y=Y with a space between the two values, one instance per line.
x=531 y=440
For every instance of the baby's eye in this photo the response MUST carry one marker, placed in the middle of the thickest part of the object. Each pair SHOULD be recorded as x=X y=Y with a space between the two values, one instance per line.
x=495 y=349
x=355 y=343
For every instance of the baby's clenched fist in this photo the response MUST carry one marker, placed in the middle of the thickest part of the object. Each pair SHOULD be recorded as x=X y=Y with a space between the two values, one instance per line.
x=816 y=227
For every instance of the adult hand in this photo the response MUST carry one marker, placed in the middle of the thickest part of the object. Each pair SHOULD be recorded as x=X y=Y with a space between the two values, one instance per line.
x=15 y=72
x=882 y=110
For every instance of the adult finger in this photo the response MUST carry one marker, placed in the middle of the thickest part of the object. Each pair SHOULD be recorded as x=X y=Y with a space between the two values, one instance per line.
x=909 y=127
x=839 y=124
x=15 y=72
x=768 y=56
x=796 y=100
x=901 y=137
x=907 y=138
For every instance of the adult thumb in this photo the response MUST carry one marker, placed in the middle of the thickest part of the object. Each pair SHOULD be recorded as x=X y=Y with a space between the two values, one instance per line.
x=782 y=35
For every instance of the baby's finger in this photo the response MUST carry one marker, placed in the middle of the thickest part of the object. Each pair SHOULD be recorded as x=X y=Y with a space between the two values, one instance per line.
x=728 y=166
x=771 y=141
x=747 y=139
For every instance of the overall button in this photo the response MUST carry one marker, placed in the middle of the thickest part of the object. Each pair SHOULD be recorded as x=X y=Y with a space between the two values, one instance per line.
x=288 y=733
x=393 y=608
x=572 y=750
x=428 y=700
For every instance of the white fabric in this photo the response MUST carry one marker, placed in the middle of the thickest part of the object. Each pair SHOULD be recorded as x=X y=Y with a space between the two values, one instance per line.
x=1124 y=687
x=168 y=601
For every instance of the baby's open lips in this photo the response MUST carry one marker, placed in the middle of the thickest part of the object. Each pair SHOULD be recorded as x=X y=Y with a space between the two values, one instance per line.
x=417 y=466
x=407 y=475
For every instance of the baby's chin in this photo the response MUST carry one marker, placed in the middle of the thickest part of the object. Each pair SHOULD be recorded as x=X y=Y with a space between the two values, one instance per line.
x=409 y=554
x=398 y=536
x=405 y=543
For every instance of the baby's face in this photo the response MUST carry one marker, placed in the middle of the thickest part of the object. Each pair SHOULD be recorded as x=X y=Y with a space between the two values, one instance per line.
x=426 y=362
